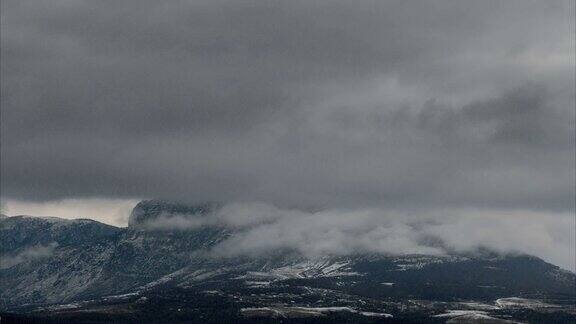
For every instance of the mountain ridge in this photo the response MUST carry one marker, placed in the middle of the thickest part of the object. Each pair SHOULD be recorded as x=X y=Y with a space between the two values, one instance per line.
x=58 y=261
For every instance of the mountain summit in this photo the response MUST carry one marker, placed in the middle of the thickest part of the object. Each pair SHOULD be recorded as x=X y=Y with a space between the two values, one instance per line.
x=149 y=210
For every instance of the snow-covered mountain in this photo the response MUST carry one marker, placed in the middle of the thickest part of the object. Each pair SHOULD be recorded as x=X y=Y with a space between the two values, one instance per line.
x=52 y=266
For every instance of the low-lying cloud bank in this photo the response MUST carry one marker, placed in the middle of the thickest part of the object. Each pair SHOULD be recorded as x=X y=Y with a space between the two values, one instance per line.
x=261 y=229
x=31 y=253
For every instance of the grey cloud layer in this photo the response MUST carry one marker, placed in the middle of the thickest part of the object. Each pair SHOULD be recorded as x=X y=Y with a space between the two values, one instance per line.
x=258 y=229
x=306 y=104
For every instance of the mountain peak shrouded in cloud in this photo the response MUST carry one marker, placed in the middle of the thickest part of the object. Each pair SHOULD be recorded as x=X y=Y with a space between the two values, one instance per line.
x=258 y=229
x=109 y=273
x=148 y=212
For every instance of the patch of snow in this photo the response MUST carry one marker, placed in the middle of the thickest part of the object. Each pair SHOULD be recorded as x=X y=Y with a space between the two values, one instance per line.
x=417 y=262
x=305 y=269
x=257 y=284
x=479 y=306
x=517 y=302
x=314 y=269
x=63 y=307
x=327 y=309
x=123 y=296
x=475 y=314
x=372 y=314
x=267 y=311
x=165 y=279
x=296 y=312
x=204 y=274
x=471 y=316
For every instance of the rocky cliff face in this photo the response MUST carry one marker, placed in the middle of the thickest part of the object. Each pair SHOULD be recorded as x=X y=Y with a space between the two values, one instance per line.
x=150 y=210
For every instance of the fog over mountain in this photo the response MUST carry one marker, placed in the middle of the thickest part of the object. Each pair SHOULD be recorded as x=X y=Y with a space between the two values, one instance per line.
x=265 y=229
x=323 y=126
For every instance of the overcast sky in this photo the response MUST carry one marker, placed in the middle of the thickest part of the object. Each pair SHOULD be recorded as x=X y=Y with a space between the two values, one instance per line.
x=425 y=105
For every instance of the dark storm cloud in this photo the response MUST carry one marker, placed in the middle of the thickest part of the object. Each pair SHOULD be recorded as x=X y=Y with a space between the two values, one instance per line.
x=298 y=103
